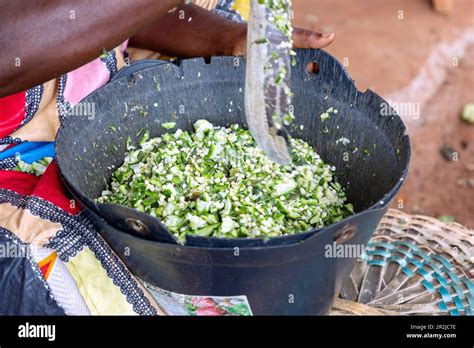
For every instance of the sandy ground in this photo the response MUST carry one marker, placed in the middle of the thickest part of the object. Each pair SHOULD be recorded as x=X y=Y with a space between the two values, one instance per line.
x=407 y=53
x=436 y=186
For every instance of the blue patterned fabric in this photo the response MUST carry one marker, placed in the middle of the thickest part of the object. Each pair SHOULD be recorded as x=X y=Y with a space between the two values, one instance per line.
x=110 y=60
x=224 y=9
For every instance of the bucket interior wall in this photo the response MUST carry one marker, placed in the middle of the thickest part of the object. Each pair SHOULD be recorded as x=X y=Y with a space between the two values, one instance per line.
x=369 y=166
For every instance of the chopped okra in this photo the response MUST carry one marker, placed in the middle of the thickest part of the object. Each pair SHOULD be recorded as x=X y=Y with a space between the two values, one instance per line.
x=216 y=182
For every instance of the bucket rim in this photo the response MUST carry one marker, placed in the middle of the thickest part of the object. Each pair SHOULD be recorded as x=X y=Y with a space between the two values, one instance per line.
x=383 y=203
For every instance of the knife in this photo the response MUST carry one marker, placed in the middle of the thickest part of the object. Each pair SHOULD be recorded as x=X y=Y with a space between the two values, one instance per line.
x=267 y=80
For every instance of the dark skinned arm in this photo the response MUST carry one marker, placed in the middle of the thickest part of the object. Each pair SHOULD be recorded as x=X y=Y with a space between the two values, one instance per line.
x=42 y=37
x=189 y=32
x=207 y=34
x=49 y=42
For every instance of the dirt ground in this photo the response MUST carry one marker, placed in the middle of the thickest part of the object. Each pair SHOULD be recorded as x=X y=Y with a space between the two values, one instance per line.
x=407 y=53
x=436 y=186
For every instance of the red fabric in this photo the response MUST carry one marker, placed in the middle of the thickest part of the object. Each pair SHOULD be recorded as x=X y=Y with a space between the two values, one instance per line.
x=12 y=113
x=9 y=147
x=51 y=189
x=48 y=186
x=21 y=183
x=45 y=268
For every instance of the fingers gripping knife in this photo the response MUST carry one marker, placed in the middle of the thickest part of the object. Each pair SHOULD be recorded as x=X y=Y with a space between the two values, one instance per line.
x=267 y=92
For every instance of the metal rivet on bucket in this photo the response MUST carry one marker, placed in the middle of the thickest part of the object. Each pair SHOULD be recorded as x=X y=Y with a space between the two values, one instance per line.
x=138 y=226
x=344 y=234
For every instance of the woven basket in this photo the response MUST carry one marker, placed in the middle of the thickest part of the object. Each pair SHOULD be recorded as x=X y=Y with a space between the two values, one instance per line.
x=414 y=265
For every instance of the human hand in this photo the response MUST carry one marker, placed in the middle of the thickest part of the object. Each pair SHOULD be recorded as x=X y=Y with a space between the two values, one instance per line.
x=302 y=38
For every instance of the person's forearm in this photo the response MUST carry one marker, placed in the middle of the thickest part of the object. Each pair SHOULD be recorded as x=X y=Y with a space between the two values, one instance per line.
x=190 y=32
x=41 y=39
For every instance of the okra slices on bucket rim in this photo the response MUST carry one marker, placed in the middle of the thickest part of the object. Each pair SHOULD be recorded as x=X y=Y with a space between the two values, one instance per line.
x=216 y=182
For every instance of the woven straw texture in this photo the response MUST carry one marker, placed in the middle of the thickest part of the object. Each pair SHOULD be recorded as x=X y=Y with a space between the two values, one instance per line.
x=413 y=265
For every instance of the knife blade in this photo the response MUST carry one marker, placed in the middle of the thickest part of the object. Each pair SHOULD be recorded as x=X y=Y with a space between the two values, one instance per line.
x=267 y=92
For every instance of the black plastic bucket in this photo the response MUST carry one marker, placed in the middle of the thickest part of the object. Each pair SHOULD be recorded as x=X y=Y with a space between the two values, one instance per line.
x=285 y=275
